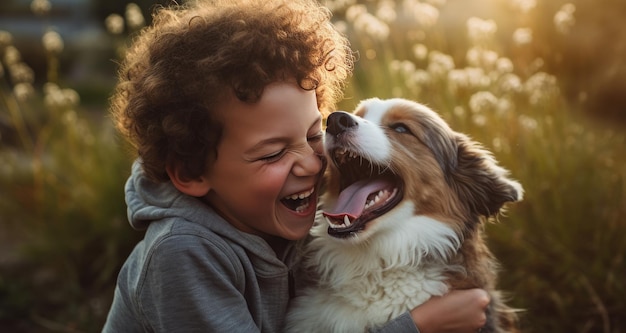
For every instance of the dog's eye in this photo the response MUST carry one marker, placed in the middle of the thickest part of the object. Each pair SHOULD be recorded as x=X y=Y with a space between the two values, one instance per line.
x=400 y=128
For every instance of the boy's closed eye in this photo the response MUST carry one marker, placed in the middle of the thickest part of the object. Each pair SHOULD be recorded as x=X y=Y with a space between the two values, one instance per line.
x=315 y=138
x=313 y=141
x=273 y=156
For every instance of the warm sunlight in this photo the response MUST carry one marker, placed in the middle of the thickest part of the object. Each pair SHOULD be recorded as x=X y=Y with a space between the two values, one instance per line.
x=541 y=83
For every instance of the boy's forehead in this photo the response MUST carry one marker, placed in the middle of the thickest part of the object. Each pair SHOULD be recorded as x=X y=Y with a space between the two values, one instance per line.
x=279 y=101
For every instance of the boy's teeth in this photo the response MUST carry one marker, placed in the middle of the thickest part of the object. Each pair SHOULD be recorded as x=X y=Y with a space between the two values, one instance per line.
x=302 y=208
x=300 y=195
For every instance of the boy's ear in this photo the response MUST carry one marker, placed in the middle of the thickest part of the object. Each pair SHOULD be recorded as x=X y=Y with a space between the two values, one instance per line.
x=197 y=187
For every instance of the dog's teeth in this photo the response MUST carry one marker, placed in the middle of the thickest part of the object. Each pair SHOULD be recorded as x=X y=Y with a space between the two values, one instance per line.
x=329 y=222
x=381 y=194
x=335 y=225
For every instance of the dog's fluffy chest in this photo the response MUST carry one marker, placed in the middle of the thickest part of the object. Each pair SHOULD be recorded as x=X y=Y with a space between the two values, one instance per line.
x=364 y=287
x=355 y=301
x=387 y=293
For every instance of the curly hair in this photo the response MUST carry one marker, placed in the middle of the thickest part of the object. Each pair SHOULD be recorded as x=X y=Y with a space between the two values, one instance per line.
x=180 y=68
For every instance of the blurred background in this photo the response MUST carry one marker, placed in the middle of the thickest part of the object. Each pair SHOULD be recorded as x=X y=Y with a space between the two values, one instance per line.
x=541 y=83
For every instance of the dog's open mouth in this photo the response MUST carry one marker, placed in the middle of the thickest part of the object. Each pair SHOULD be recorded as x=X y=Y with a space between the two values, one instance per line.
x=367 y=192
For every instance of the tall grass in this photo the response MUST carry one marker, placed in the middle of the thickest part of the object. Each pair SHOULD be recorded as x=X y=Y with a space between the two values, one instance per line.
x=63 y=229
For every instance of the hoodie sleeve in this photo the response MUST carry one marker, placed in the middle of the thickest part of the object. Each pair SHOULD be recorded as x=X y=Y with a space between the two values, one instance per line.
x=193 y=284
x=402 y=323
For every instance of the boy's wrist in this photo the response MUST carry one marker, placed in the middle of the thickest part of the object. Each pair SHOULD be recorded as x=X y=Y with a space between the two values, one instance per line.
x=421 y=318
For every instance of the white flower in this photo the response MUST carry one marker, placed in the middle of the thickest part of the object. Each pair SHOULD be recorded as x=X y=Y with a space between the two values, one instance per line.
x=426 y=15
x=371 y=26
x=420 y=77
x=338 y=5
x=479 y=120
x=438 y=3
x=457 y=79
x=477 y=78
x=52 y=42
x=11 y=55
x=70 y=97
x=523 y=36
x=5 y=39
x=564 y=19
x=504 y=106
x=420 y=51
x=40 y=7
x=114 y=24
x=134 y=17
x=510 y=83
x=367 y=23
x=504 y=65
x=527 y=122
x=483 y=101
x=524 y=6
x=355 y=11
x=23 y=91
x=481 y=32
x=20 y=72
x=482 y=57
x=467 y=78
x=386 y=11
x=541 y=87
x=440 y=64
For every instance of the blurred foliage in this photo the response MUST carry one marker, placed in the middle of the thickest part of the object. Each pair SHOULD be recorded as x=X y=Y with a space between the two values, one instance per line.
x=63 y=229
x=514 y=74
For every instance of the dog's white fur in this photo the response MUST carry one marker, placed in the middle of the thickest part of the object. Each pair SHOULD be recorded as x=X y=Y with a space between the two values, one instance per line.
x=398 y=261
x=366 y=285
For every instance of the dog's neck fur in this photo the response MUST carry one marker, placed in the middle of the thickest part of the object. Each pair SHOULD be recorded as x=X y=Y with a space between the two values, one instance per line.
x=386 y=248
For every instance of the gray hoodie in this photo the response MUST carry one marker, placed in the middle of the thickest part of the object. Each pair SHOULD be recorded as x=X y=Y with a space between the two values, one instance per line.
x=194 y=272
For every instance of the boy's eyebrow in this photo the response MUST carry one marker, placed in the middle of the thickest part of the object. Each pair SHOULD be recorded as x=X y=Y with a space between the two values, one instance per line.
x=277 y=139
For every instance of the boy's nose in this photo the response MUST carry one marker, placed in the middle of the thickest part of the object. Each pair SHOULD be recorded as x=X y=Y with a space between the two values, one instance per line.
x=309 y=164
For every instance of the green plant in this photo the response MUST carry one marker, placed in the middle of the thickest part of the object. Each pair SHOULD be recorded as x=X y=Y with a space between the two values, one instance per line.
x=62 y=206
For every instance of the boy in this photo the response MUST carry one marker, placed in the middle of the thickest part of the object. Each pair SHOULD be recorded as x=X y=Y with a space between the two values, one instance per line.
x=223 y=101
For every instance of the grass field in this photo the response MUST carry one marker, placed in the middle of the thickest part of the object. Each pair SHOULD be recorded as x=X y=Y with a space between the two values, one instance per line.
x=63 y=229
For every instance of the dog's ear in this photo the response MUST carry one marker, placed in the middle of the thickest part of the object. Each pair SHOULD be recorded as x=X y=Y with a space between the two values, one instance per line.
x=478 y=180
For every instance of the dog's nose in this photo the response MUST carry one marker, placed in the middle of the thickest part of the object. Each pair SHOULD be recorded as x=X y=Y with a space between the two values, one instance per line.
x=340 y=121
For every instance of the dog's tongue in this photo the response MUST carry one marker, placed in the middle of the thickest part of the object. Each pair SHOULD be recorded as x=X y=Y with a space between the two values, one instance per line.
x=352 y=200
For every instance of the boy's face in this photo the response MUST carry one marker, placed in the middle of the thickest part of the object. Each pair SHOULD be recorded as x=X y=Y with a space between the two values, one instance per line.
x=269 y=163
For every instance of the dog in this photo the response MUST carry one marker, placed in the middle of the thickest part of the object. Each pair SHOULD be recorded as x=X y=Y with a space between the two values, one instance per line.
x=404 y=207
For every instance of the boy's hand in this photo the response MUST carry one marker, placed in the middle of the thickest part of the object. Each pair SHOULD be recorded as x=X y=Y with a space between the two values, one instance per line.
x=458 y=311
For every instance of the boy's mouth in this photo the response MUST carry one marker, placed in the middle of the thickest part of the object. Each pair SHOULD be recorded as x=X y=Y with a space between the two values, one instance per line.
x=298 y=202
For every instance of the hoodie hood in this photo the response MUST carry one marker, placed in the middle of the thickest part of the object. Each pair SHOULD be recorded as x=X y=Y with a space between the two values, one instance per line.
x=150 y=202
